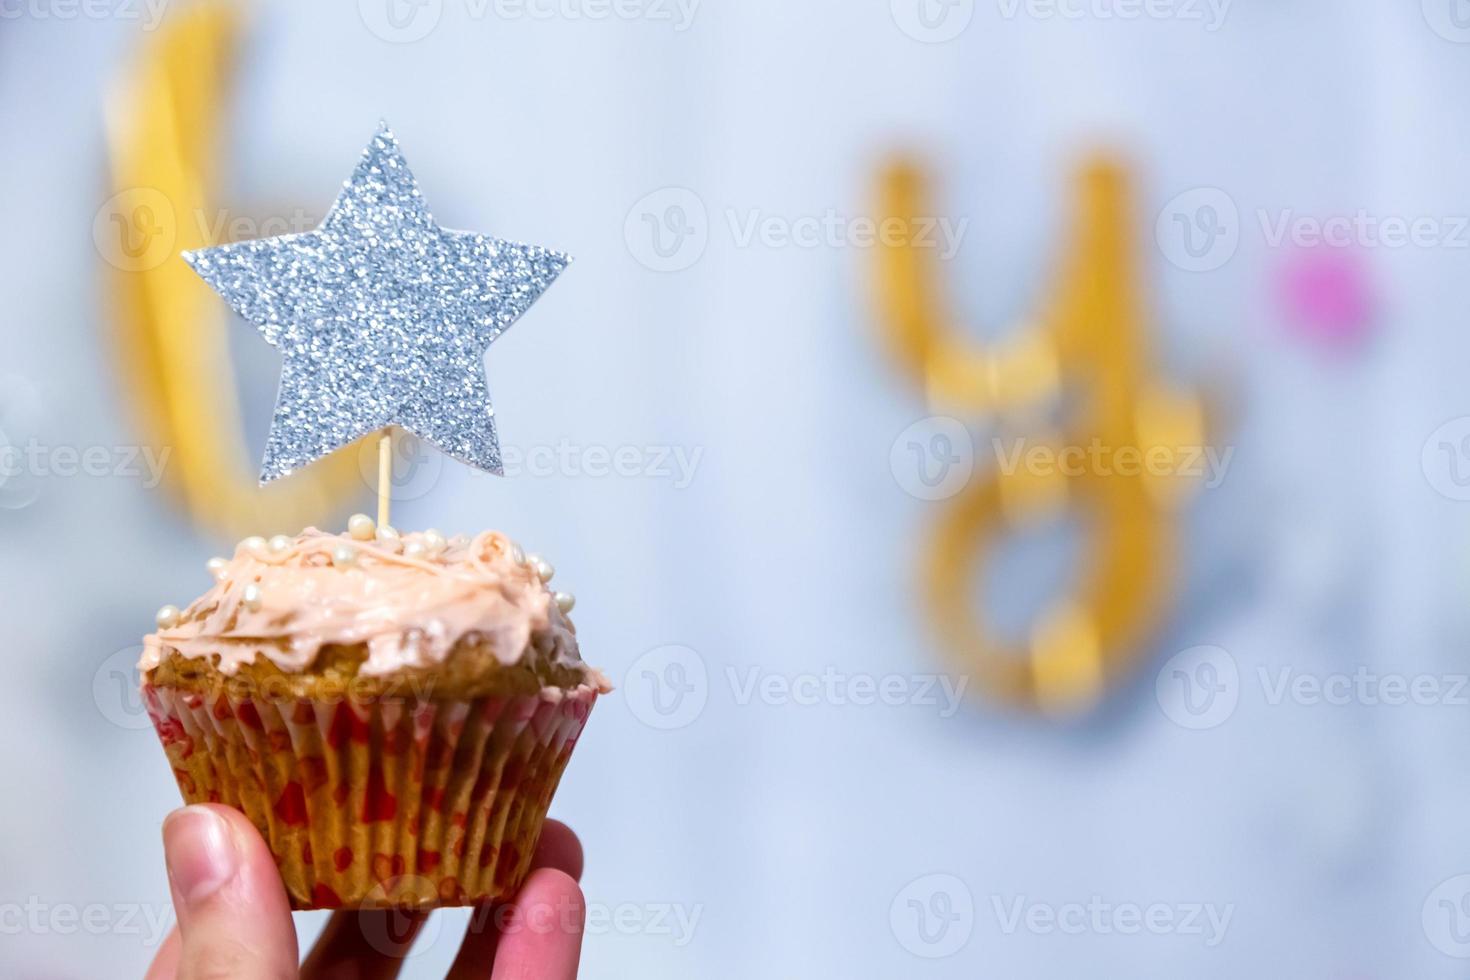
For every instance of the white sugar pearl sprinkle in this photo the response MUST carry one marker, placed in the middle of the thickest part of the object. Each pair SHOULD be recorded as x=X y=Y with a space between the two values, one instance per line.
x=565 y=601
x=361 y=527
x=544 y=569
x=217 y=567
x=252 y=597
x=168 y=617
x=414 y=549
x=344 y=556
x=279 y=544
x=434 y=543
x=254 y=545
x=517 y=555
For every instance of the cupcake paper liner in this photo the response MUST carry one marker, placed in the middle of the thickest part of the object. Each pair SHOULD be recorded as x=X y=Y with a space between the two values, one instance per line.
x=387 y=803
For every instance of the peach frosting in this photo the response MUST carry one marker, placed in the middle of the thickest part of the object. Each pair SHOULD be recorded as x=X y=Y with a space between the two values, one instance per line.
x=285 y=602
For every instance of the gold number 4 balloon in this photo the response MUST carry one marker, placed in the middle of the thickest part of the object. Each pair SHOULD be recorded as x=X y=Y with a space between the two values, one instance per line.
x=164 y=122
x=1121 y=464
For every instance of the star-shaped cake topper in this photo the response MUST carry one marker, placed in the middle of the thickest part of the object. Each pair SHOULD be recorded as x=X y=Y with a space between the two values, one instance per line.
x=382 y=316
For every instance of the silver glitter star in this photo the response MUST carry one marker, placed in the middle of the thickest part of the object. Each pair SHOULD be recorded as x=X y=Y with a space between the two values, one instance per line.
x=383 y=317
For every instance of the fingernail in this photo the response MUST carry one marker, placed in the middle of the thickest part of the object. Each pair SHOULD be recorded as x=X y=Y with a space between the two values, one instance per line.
x=200 y=851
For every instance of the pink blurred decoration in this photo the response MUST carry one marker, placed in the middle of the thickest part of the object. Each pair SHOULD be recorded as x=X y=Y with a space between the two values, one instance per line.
x=1326 y=296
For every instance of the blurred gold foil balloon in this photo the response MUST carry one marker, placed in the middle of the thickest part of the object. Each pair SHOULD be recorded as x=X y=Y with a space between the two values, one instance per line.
x=165 y=120
x=1120 y=463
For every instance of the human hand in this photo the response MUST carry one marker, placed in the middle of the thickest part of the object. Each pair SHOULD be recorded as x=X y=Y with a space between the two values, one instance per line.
x=235 y=919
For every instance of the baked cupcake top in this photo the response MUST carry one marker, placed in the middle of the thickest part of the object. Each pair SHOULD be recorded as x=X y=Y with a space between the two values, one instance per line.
x=410 y=602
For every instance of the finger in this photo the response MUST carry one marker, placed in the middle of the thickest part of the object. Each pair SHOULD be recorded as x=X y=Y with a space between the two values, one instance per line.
x=476 y=953
x=538 y=934
x=165 y=965
x=542 y=935
x=374 y=944
x=559 y=848
x=365 y=945
x=234 y=918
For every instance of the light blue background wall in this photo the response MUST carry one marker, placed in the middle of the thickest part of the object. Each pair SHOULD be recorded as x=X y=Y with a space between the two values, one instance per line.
x=792 y=831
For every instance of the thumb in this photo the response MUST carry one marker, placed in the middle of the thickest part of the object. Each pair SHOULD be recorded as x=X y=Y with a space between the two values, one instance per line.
x=234 y=918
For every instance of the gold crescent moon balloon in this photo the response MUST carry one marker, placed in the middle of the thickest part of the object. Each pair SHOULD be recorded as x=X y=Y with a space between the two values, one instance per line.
x=1087 y=346
x=164 y=123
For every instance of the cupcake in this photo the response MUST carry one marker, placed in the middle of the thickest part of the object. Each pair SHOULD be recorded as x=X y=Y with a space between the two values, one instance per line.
x=392 y=713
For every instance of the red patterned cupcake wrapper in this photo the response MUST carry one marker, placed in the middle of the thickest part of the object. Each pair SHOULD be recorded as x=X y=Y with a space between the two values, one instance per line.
x=387 y=803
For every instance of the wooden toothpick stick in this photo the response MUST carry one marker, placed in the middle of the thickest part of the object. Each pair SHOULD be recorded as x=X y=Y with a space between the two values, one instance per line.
x=385 y=475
